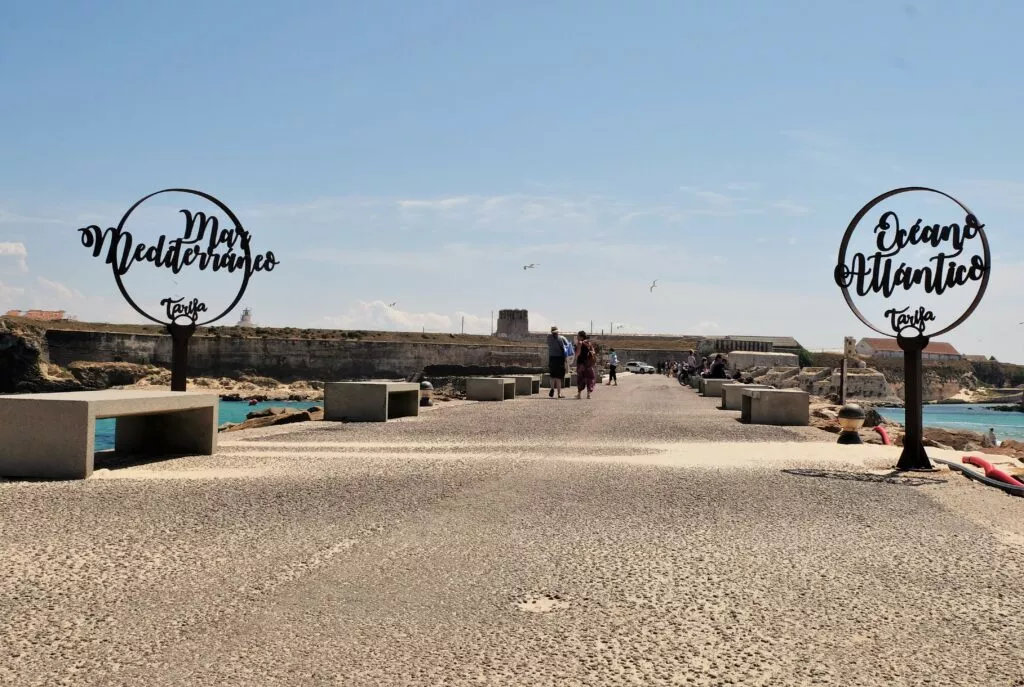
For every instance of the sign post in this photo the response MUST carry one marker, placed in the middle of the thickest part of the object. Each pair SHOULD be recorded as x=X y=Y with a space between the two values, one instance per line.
x=208 y=242
x=950 y=256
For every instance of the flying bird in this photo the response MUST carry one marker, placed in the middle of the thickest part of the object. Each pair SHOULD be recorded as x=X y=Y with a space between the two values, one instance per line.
x=530 y=266
x=391 y=305
x=653 y=284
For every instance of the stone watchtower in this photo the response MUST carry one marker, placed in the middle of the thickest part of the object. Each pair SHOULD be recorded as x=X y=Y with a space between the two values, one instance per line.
x=513 y=324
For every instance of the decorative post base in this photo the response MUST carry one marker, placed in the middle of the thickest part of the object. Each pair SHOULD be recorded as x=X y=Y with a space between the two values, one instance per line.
x=913 y=456
x=180 y=335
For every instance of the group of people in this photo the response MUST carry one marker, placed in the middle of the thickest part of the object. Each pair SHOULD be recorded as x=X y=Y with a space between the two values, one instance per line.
x=583 y=351
x=561 y=350
x=711 y=368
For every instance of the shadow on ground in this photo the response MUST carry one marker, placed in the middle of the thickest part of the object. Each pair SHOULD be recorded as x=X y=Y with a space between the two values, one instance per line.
x=893 y=477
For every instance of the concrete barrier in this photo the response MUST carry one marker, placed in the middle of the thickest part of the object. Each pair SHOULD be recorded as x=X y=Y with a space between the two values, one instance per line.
x=545 y=381
x=526 y=385
x=713 y=387
x=53 y=436
x=370 y=401
x=732 y=394
x=490 y=388
x=694 y=382
x=775 y=407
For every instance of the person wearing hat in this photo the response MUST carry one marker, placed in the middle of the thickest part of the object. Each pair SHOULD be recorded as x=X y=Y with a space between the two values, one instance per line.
x=558 y=351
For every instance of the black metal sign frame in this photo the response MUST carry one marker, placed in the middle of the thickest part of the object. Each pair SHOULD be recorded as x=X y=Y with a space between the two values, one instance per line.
x=121 y=251
x=911 y=330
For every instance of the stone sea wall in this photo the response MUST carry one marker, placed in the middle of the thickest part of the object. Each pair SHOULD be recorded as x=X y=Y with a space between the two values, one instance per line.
x=287 y=358
x=298 y=358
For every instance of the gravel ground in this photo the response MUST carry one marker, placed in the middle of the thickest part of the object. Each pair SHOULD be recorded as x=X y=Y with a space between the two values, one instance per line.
x=533 y=542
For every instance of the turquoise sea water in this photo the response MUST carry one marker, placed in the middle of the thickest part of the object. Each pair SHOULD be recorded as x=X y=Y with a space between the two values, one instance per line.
x=972 y=417
x=230 y=411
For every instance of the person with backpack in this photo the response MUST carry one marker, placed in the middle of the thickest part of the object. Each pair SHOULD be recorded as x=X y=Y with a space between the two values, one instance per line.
x=586 y=365
x=558 y=352
x=613 y=364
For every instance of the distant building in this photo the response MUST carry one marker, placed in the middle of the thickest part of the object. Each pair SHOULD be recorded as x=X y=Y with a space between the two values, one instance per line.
x=246 y=319
x=40 y=315
x=888 y=348
x=753 y=344
x=513 y=324
x=977 y=358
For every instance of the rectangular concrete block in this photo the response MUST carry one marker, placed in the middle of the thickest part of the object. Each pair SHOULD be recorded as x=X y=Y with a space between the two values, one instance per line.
x=370 y=401
x=713 y=387
x=775 y=407
x=695 y=382
x=490 y=388
x=53 y=436
x=526 y=385
x=732 y=394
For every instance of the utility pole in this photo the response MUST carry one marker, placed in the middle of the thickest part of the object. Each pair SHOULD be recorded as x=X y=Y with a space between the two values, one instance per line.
x=591 y=327
x=463 y=324
x=492 y=323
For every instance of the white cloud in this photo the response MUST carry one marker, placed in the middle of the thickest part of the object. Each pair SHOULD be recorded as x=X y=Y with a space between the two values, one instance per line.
x=437 y=204
x=14 y=253
x=62 y=292
x=9 y=296
x=379 y=316
x=790 y=207
x=8 y=217
x=473 y=323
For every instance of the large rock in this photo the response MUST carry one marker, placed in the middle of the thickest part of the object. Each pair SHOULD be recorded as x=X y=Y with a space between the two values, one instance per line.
x=278 y=416
x=24 y=362
x=106 y=375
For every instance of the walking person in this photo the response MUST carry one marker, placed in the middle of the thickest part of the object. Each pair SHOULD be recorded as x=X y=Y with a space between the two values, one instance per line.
x=558 y=351
x=613 y=363
x=586 y=365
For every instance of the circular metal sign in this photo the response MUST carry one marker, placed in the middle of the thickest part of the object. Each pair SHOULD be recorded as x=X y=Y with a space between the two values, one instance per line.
x=908 y=268
x=207 y=243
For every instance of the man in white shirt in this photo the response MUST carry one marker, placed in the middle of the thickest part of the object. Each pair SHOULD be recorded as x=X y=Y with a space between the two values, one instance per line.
x=613 y=362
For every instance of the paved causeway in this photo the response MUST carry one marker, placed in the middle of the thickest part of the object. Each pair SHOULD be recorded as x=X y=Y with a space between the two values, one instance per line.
x=641 y=538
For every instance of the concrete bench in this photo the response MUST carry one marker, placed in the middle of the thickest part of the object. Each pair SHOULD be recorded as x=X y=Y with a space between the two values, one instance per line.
x=732 y=394
x=53 y=436
x=370 y=401
x=545 y=381
x=490 y=388
x=527 y=385
x=775 y=407
x=713 y=387
x=695 y=382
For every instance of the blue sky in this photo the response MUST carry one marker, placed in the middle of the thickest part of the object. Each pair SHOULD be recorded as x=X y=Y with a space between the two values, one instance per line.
x=421 y=152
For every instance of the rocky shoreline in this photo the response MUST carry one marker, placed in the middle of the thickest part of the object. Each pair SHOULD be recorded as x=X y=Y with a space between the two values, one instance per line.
x=825 y=416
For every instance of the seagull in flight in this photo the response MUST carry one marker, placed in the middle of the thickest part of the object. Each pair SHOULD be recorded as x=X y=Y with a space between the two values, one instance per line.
x=653 y=284
x=391 y=305
x=530 y=266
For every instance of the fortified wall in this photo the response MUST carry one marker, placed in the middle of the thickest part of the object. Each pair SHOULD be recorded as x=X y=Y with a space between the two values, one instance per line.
x=295 y=358
x=280 y=358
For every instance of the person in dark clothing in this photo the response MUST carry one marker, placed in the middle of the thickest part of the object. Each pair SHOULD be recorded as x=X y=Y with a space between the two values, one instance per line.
x=557 y=350
x=717 y=368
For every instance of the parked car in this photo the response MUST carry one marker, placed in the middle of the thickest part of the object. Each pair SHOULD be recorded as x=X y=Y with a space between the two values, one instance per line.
x=639 y=368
